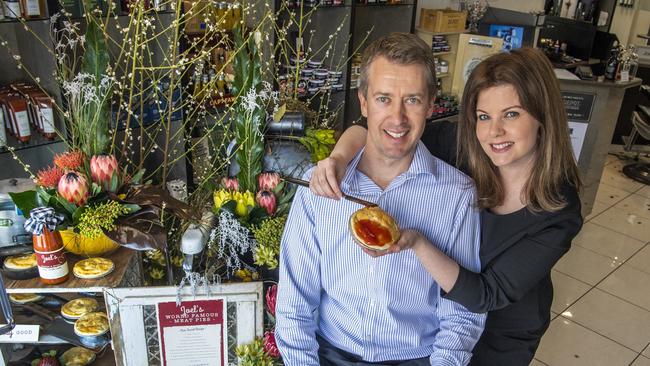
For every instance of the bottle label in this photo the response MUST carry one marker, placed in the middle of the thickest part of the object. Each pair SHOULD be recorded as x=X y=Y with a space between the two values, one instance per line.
x=33 y=8
x=22 y=120
x=12 y=9
x=52 y=265
x=48 y=120
x=625 y=76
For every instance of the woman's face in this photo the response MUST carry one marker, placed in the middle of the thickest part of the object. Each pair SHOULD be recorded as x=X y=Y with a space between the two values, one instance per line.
x=507 y=133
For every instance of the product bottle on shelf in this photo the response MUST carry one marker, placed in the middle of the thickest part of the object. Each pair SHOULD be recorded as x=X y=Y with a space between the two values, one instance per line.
x=48 y=246
x=52 y=264
x=12 y=8
x=612 y=63
x=197 y=87
x=3 y=134
x=206 y=87
x=32 y=8
x=18 y=111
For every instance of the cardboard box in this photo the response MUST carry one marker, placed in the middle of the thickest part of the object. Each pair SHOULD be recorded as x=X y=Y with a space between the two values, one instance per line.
x=442 y=20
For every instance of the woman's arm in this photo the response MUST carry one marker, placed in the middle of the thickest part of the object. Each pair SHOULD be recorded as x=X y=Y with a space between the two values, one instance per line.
x=511 y=274
x=329 y=172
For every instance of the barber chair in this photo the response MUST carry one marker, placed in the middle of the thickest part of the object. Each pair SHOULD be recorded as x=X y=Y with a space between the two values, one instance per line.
x=639 y=171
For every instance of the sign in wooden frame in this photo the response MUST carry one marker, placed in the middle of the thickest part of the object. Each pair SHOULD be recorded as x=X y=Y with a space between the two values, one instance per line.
x=148 y=327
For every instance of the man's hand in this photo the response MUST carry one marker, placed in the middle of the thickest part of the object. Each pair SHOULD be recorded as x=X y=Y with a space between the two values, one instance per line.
x=408 y=239
x=326 y=178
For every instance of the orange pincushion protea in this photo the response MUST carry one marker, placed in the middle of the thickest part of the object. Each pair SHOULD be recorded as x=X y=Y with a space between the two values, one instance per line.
x=49 y=177
x=71 y=160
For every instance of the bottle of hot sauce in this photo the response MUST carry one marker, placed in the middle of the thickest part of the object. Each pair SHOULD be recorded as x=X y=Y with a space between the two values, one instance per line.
x=52 y=264
x=48 y=246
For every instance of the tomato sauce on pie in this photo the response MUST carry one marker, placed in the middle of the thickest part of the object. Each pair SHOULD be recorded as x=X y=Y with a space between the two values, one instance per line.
x=372 y=233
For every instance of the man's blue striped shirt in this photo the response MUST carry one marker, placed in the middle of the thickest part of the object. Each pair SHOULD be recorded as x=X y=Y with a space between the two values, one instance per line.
x=386 y=308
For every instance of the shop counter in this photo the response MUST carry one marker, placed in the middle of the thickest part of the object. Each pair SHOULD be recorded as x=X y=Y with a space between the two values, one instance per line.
x=592 y=109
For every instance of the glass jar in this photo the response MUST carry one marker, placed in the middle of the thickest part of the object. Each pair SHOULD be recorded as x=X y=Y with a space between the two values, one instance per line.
x=50 y=257
x=444 y=66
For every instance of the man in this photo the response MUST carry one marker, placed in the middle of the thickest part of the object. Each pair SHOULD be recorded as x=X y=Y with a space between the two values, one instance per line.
x=340 y=306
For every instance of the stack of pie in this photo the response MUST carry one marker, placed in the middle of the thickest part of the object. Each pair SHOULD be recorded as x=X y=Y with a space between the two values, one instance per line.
x=91 y=324
x=74 y=309
x=77 y=356
x=93 y=268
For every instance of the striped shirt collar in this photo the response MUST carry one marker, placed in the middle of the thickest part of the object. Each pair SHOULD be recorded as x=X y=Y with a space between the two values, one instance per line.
x=423 y=163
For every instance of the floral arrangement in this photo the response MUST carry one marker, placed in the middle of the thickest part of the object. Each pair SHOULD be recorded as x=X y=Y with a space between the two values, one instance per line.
x=87 y=192
x=253 y=222
x=100 y=201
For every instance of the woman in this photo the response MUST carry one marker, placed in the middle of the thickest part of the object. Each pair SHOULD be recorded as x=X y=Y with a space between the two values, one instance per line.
x=513 y=140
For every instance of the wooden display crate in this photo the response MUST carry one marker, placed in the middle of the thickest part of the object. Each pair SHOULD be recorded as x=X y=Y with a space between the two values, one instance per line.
x=442 y=20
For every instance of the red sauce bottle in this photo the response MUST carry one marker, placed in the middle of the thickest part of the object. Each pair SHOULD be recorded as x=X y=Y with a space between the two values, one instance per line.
x=52 y=264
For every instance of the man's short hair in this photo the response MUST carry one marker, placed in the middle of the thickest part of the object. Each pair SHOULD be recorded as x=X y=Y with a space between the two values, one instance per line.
x=403 y=49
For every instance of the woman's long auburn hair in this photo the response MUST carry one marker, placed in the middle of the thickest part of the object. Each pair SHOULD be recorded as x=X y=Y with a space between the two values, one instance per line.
x=530 y=73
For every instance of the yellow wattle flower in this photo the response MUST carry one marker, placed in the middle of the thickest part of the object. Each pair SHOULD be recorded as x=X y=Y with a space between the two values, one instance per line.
x=220 y=197
x=244 y=201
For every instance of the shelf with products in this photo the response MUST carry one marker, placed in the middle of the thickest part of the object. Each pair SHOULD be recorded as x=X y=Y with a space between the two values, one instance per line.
x=127 y=272
x=371 y=5
x=34 y=303
x=35 y=141
x=445 y=60
x=29 y=20
x=315 y=76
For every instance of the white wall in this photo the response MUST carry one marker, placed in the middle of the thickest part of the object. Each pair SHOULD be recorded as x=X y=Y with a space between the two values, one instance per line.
x=623 y=22
x=641 y=25
x=517 y=5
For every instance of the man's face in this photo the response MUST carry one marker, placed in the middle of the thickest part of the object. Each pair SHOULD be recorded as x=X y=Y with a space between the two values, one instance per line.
x=396 y=105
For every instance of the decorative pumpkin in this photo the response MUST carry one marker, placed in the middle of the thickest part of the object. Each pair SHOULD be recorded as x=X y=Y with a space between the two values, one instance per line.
x=374 y=229
x=81 y=245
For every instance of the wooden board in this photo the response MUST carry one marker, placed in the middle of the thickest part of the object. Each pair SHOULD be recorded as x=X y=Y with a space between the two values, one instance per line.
x=125 y=260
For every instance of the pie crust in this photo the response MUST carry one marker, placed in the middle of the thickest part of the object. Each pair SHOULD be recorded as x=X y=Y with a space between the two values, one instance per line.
x=77 y=356
x=386 y=234
x=20 y=262
x=93 y=268
x=91 y=324
x=74 y=309
x=25 y=298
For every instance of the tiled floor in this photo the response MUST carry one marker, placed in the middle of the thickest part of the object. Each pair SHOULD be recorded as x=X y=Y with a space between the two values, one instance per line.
x=601 y=308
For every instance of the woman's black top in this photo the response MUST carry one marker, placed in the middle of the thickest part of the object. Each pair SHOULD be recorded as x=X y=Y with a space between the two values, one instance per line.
x=517 y=253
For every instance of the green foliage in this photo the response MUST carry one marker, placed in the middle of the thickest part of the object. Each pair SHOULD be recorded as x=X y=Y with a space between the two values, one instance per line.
x=25 y=201
x=249 y=121
x=93 y=220
x=285 y=196
x=253 y=354
x=95 y=62
x=319 y=142
x=268 y=236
